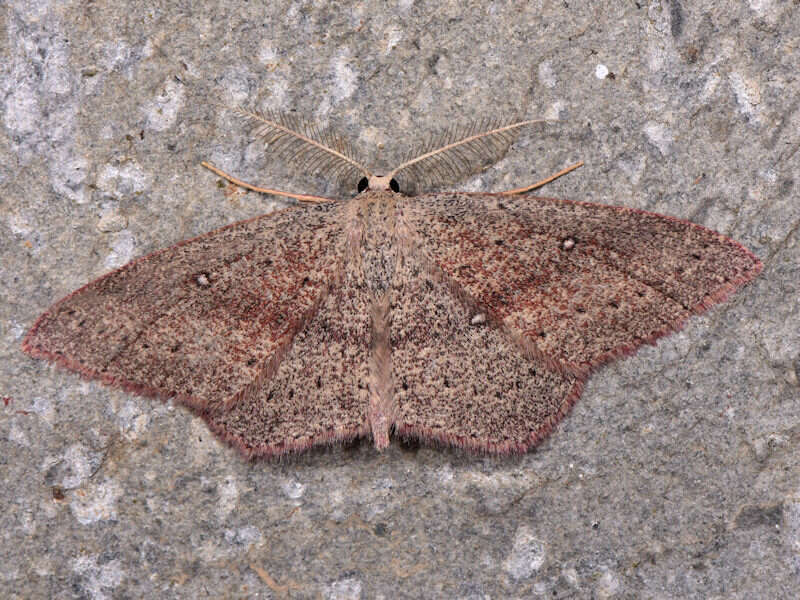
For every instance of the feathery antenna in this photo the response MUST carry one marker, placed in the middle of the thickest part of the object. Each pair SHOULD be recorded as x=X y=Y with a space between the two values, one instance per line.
x=458 y=152
x=303 y=144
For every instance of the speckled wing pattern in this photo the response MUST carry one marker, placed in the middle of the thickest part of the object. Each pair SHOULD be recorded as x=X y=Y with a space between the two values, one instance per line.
x=471 y=320
x=460 y=380
x=204 y=319
x=504 y=304
x=576 y=284
x=319 y=393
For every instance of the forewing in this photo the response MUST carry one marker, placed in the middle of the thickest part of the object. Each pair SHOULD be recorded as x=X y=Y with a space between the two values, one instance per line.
x=205 y=318
x=460 y=380
x=576 y=283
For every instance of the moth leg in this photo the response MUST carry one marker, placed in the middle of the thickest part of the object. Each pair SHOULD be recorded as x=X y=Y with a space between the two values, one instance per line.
x=244 y=184
x=545 y=181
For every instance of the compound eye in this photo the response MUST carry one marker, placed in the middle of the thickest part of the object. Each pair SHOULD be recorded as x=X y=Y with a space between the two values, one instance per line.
x=394 y=186
x=363 y=184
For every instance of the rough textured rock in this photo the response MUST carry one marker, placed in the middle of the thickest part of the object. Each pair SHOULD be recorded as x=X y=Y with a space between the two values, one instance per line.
x=674 y=477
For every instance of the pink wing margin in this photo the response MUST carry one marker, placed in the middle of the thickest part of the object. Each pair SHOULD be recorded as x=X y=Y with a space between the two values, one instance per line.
x=209 y=320
x=578 y=284
x=532 y=295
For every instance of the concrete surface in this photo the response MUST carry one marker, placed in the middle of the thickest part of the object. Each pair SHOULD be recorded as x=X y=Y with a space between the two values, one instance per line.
x=676 y=476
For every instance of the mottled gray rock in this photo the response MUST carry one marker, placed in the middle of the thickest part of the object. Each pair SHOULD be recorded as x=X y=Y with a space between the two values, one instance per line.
x=675 y=476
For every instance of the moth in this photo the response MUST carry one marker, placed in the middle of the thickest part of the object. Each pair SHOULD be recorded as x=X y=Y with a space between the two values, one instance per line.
x=466 y=319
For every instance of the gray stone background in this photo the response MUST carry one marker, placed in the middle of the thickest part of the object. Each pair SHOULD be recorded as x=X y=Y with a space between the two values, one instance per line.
x=675 y=476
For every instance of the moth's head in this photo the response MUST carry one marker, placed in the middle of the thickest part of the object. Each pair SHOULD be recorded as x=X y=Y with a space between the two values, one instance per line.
x=378 y=182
